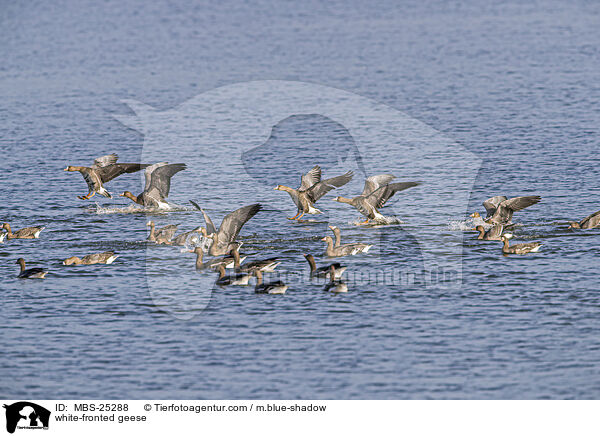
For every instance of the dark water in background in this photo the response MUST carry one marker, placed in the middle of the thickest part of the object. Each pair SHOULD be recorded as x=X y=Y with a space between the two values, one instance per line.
x=517 y=85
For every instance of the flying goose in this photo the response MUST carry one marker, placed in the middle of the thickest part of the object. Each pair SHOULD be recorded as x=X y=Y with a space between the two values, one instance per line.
x=311 y=189
x=530 y=247
x=240 y=279
x=277 y=287
x=334 y=284
x=500 y=209
x=163 y=235
x=224 y=238
x=589 y=222
x=107 y=258
x=31 y=273
x=103 y=170
x=493 y=234
x=376 y=192
x=344 y=250
x=324 y=271
x=158 y=184
x=26 y=233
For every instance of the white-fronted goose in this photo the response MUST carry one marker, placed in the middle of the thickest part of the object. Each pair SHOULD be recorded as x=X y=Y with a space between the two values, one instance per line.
x=334 y=284
x=162 y=235
x=500 y=209
x=493 y=234
x=238 y=279
x=107 y=258
x=376 y=192
x=311 y=189
x=158 y=184
x=31 y=273
x=530 y=247
x=224 y=238
x=26 y=233
x=263 y=265
x=324 y=271
x=226 y=261
x=103 y=170
x=344 y=250
x=277 y=287
x=361 y=248
x=589 y=222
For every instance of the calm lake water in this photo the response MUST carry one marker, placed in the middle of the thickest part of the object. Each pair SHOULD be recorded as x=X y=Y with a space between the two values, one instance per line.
x=515 y=86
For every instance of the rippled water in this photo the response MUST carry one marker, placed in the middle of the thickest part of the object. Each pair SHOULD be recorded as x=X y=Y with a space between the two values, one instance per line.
x=516 y=85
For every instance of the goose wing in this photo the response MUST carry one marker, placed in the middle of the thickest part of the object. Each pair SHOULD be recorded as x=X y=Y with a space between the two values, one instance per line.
x=109 y=172
x=491 y=204
x=381 y=195
x=310 y=178
x=160 y=179
x=374 y=182
x=592 y=221
x=324 y=186
x=104 y=161
x=167 y=232
x=234 y=221
x=210 y=227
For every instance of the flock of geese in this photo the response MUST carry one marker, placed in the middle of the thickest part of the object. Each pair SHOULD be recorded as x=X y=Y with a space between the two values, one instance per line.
x=222 y=245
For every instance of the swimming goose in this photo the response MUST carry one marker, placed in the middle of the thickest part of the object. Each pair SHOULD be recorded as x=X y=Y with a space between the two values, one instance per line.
x=589 y=222
x=324 y=271
x=338 y=235
x=360 y=248
x=277 y=287
x=104 y=169
x=493 y=234
x=239 y=279
x=500 y=209
x=311 y=189
x=224 y=238
x=263 y=265
x=107 y=258
x=26 y=233
x=158 y=184
x=163 y=235
x=376 y=192
x=344 y=250
x=31 y=273
x=226 y=261
x=530 y=247
x=334 y=284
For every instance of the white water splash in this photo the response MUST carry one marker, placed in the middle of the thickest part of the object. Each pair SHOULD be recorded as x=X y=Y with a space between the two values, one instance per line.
x=383 y=221
x=468 y=224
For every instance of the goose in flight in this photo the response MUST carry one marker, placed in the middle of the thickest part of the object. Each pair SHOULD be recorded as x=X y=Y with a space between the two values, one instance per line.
x=589 y=222
x=224 y=238
x=311 y=189
x=103 y=170
x=158 y=184
x=277 y=287
x=376 y=192
x=25 y=233
x=530 y=247
x=106 y=258
x=500 y=209
x=31 y=273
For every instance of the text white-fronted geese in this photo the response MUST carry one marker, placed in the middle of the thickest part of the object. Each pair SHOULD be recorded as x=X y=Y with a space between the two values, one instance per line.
x=157 y=185
x=376 y=192
x=311 y=189
x=103 y=170
x=31 y=273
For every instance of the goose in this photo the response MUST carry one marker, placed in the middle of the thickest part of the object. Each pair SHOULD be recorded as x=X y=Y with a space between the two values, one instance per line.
x=530 y=247
x=262 y=265
x=163 y=235
x=103 y=170
x=182 y=238
x=361 y=248
x=376 y=192
x=500 y=209
x=335 y=285
x=226 y=261
x=589 y=222
x=210 y=227
x=26 y=233
x=31 y=273
x=158 y=184
x=238 y=279
x=107 y=258
x=344 y=250
x=324 y=271
x=277 y=287
x=311 y=189
x=224 y=238
x=493 y=234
